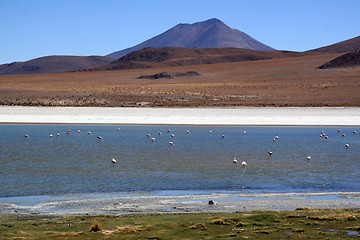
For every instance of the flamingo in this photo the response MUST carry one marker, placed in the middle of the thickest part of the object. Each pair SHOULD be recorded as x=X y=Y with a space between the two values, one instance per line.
x=171 y=143
x=244 y=132
x=308 y=158
x=148 y=135
x=270 y=153
x=222 y=136
x=243 y=163
x=100 y=138
x=78 y=131
x=338 y=130
x=113 y=160
x=172 y=135
x=153 y=139
x=235 y=160
x=58 y=134
x=160 y=133
x=210 y=132
x=277 y=137
x=50 y=135
x=118 y=129
x=347 y=145
x=27 y=136
x=187 y=131
x=89 y=133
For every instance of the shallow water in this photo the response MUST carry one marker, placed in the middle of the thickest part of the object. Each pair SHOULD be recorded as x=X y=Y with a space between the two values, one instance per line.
x=80 y=163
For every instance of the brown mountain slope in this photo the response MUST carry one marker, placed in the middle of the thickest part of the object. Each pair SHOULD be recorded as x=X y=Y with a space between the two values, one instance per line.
x=179 y=56
x=349 y=45
x=53 y=64
x=351 y=59
x=291 y=81
x=211 y=33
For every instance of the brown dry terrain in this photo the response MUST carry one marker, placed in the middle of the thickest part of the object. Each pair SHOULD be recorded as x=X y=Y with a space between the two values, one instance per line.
x=288 y=81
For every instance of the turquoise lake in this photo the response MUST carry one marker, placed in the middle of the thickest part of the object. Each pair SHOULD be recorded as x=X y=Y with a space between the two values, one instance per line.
x=198 y=160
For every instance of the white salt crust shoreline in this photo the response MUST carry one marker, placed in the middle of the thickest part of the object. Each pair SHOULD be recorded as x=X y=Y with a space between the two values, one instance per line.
x=305 y=116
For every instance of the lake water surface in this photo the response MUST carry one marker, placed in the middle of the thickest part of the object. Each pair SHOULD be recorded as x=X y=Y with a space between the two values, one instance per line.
x=198 y=161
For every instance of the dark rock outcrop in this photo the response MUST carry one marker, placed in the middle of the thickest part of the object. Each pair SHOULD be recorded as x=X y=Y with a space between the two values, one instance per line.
x=351 y=59
x=169 y=75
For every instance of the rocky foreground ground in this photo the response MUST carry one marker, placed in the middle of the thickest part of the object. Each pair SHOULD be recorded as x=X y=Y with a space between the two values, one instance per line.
x=296 y=224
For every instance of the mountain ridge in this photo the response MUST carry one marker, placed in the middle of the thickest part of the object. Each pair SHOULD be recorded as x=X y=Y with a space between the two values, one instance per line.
x=179 y=56
x=348 y=45
x=197 y=36
x=53 y=64
x=211 y=33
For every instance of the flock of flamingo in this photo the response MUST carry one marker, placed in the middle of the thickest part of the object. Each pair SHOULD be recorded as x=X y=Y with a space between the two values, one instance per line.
x=172 y=135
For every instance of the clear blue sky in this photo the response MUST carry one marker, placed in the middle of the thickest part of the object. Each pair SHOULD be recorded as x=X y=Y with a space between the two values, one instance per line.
x=36 y=28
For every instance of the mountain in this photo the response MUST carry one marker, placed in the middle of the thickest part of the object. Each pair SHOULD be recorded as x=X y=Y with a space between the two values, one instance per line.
x=180 y=56
x=351 y=59
x=349 y=45
x=53 y=64
x=212 y=33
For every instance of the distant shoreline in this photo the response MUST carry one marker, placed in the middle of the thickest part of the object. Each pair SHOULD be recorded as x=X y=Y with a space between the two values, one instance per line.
x=174 y=201
x=242 y=116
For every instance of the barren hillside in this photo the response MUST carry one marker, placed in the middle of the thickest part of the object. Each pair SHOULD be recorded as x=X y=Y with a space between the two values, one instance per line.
x=292 y=81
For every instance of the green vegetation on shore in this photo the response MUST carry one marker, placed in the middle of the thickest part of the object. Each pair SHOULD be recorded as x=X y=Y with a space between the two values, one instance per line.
x=300 y=223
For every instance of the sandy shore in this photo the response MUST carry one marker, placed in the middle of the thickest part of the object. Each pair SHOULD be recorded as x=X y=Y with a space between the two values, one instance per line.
x=173 y=201
x=326 y=116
